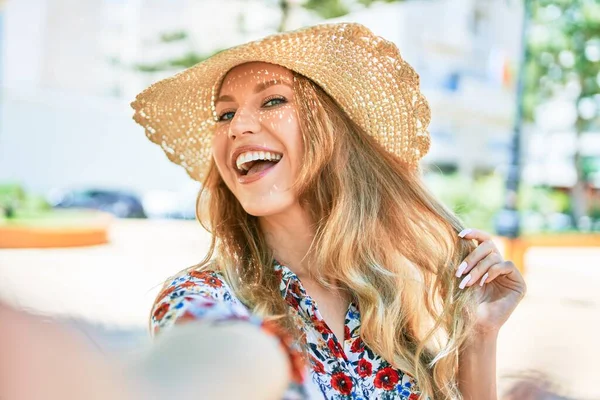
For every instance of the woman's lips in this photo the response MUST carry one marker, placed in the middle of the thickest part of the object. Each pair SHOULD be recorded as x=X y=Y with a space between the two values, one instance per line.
x=244 y=179
x=250 y=148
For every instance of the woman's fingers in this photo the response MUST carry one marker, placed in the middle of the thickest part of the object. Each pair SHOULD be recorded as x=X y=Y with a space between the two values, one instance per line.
x=480 y=264
x=480 y=270
x=504 y=268
x=486 y=248
x=475 y=234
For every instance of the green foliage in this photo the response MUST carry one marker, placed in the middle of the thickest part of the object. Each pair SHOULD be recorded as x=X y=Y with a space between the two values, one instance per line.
x=14 y=201
x=368 y=3
x=173 y=36
x=476 y=201
x=185 y=61
x=562 y=48
x=327 y=9
x=11 y=196
x=544 y=200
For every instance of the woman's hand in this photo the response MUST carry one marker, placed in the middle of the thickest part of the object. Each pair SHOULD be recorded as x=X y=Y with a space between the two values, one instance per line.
x=44 y=360
x=499 y=283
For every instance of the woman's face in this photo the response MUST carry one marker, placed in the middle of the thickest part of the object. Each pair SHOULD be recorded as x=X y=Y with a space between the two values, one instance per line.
x=258 y=146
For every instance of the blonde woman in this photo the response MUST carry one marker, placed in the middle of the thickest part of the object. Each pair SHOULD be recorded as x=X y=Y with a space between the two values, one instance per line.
x=307 y=144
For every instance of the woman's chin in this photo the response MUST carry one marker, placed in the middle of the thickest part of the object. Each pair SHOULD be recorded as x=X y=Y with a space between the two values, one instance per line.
x=266 y=207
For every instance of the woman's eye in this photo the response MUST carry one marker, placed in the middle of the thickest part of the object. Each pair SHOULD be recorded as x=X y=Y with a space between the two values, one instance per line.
x=274 y=101
x=226 y=116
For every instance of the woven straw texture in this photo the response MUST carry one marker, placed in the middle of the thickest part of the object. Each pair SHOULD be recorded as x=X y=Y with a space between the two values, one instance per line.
x=363 y=73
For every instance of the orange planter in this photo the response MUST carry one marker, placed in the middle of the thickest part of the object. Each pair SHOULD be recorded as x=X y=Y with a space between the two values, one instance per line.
x=87 y=232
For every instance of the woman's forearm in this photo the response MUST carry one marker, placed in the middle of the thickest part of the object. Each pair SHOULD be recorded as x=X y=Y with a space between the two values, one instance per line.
x=233 y=360
x=477 y=368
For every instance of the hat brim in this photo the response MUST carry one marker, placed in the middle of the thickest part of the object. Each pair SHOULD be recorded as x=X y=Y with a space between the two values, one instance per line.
x=363 y=73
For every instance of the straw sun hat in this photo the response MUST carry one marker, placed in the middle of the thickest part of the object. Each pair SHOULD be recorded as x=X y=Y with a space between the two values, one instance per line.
x=363 y=73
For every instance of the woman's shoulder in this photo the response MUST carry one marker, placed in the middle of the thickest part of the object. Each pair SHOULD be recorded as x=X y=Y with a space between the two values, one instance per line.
x=208 y=282
x=195 y=294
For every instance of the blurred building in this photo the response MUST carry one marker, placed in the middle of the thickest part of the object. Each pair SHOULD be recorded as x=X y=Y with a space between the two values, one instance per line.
x=65 y=121
x=68 y=78
x=466 y=52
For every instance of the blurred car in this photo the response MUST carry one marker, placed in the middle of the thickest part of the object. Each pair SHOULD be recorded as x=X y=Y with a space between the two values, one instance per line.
x=119 y=203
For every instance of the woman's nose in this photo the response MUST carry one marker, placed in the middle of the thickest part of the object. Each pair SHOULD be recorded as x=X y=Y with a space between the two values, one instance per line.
x=243 y=122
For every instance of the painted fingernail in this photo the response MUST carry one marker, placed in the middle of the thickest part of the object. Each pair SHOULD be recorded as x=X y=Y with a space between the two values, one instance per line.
x=464 y=282
x=461 y=269
x=465 y=232
x=483 y=279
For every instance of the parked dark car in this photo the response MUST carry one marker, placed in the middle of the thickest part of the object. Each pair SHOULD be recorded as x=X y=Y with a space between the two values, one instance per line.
x=119 y=203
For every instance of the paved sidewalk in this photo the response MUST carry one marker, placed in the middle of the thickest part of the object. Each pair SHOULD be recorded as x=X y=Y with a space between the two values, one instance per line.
x=106 y=293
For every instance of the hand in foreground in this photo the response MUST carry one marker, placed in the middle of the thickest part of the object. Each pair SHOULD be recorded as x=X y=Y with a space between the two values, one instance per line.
x=43 y=360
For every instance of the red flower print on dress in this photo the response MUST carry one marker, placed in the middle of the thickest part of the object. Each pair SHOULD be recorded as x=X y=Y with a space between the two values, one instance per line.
x=364 y=368
x=386 y=378
x=357 y=346
x=342 y=383
x=335 y=348
x=188 y=284
x=292 y=301
x=161 y=311
x=320 y=325
x=279 y=274
x=295 y=289
x=205 y=295
x=208 y=278
x=317 y=366
x=165 y=293
x=199 y=274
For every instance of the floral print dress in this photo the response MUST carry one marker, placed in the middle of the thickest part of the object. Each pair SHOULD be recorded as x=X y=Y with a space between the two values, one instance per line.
x=338 y=370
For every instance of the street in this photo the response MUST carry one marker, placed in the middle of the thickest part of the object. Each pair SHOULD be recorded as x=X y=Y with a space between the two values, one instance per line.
x=106 y=293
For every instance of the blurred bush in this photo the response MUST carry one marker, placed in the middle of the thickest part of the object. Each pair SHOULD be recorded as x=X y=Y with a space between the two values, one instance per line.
x=478 y=200
x=475 y=201
x=16 y=202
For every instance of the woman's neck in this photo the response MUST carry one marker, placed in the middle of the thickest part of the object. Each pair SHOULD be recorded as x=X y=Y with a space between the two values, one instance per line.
x=290 y=235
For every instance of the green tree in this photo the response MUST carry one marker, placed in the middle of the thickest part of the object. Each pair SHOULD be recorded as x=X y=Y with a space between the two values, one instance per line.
x=325 y=9
x=328 y=9
x=563 y=56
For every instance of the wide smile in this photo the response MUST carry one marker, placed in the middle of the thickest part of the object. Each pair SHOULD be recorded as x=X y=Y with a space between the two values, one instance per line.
x=252 y=163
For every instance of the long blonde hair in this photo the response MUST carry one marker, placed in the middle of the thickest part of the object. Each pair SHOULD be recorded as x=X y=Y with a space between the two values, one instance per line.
x=397 y=256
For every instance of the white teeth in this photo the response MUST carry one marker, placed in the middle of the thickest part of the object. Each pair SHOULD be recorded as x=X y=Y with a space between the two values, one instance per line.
x=249 y=156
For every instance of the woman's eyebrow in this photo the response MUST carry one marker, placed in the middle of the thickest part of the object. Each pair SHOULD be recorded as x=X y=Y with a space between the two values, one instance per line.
x=264 y=85
x=258 y=88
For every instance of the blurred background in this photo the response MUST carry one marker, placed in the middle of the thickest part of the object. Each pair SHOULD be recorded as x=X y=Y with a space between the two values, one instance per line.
x=93 y=217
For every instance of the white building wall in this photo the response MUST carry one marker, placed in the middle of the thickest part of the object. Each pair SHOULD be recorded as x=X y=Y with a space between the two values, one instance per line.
x=64 y=114
x=70 y=141
x=22 y=48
